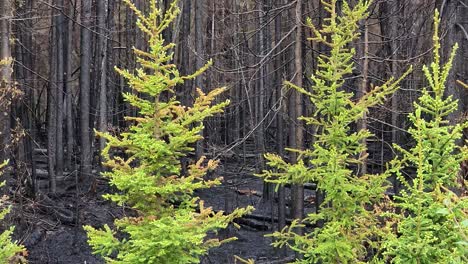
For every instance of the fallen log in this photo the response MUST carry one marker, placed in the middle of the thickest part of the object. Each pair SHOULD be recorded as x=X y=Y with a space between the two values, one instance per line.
x=263 y=218
x=279 y=261
x=307 y=186
x=252 y=223
x=269 y=219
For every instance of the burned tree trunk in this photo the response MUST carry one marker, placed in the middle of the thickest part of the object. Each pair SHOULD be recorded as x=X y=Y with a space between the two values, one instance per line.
x=52 y=107
x=69 y=91
x=199 y=7
x=102 y=7
x=60 y=42
x=5 y=78
x=85 y=88
x=297 y=140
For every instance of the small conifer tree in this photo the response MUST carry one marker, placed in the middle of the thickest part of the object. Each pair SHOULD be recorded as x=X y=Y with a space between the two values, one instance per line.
x=432 y=224
x=350 y=224
x=8 y=249
x=172 y=225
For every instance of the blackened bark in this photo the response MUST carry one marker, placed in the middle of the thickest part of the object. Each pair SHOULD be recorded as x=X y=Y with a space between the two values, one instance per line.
x=102 y=7
x=363 y=50
x=279 y=119
x=185 y=49
x=52 y=107
x=60 y=86
x=298 y=190
x=5 y=80
x=85 y=87
x=199 y=37
x=69 y=89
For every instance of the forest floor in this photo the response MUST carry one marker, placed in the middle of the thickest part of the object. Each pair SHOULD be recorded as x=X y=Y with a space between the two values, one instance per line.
x=52 y=236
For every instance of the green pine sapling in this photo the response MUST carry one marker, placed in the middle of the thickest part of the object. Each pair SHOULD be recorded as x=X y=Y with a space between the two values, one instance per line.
x=8 y=249
x=432 y=223
x=350 y=229
x=171 y=225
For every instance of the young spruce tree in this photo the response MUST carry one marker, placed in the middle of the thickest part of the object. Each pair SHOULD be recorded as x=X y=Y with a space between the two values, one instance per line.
x=8 y=249
x=172 y=224
x=432 y=224
x=350 y=231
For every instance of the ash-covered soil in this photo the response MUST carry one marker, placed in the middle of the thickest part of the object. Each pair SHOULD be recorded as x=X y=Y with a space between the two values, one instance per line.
x=49 y=230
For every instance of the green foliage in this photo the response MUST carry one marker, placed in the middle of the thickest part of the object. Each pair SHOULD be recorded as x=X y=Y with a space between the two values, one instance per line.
x=432 y=224
x=8 y=249
x=172 y=225
x=351 y=228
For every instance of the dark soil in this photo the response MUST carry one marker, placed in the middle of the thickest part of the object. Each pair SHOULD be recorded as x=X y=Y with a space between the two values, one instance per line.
x=52 y=236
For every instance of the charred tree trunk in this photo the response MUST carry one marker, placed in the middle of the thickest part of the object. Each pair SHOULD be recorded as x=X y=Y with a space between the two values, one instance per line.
x=199 y=7
x=185 y=50
x=60 y=42
x=259 y=95
x=85 y=88
x=52 y=106
x=363 y=50
x=278 y=79
x=391 y=30
x=27 y=84
x=5 y=79
x=102 y=7
x=296 y=140
x=69 y=89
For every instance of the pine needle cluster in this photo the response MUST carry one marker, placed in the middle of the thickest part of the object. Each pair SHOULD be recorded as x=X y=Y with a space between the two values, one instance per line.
x=171 y=225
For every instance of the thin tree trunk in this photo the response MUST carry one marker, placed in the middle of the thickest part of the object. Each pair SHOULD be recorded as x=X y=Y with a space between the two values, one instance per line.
x=102 y=7
x=28 y=112
x=292 y=142
x=259 y=97
x=279 y=119
x=362 y=124
x=185 y=49
x=298 y=190
x=198 y=59
x=69 y=91
x=60 y=86
x=5 y=79
x=85 y=87
x=394 y=33
x=52 y=107
x=112 y=60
